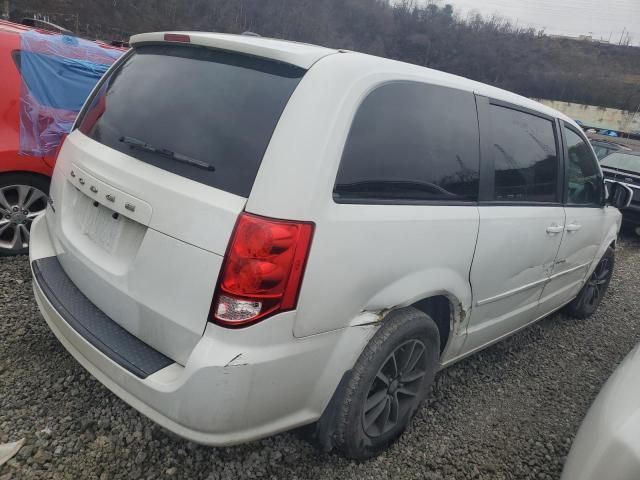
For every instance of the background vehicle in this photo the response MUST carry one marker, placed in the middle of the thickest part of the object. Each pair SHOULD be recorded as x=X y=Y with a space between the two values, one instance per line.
x=297 y=234
x=45 y=79
x=624 y=167
x=604 y=148
x=607 y=444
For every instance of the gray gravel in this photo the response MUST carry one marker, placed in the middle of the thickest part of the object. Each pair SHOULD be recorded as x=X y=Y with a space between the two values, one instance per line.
x=508 y=412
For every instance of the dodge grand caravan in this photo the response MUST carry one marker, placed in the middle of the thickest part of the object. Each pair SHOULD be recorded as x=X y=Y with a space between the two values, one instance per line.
x=248 y=235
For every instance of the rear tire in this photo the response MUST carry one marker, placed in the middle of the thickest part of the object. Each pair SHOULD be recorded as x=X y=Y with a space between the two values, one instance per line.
x=23 y=197
x=593 y=291
x=377 y=399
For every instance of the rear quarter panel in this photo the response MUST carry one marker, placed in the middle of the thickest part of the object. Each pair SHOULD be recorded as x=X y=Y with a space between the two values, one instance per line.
x=364 y=258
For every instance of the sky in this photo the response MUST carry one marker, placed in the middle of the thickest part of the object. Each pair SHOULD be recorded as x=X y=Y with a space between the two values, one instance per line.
x=604 y=19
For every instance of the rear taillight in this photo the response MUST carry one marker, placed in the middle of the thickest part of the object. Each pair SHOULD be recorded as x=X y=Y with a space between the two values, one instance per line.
x=262 y=270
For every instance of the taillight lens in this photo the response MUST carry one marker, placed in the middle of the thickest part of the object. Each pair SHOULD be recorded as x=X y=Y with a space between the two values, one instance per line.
x=262 y=270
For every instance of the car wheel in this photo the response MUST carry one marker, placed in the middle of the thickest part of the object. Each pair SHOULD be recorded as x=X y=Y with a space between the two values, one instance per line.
x=588 y=299
x=380 y=395
x=22 y=198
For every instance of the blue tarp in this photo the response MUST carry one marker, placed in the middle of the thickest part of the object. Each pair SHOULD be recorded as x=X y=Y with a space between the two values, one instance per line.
x=58 y=73
x=59 y=82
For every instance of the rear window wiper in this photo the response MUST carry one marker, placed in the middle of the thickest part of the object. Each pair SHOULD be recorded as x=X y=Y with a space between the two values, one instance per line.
x=178 y=157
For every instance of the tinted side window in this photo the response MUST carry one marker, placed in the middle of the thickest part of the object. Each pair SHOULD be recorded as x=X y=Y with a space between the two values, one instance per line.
x=525 y=155
x=583 y=177
x=411 y=141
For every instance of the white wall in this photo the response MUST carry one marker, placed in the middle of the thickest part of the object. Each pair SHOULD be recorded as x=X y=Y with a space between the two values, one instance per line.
x=598 y=117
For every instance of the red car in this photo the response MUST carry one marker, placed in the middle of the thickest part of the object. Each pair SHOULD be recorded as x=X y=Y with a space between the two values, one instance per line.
x=45 y=78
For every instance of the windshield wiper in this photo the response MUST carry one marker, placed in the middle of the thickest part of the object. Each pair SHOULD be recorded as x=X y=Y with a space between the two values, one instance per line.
x=178 y=157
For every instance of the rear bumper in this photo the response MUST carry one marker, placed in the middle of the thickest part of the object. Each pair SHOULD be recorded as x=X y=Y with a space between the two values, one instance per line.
x=92 y=324
x=237 y=385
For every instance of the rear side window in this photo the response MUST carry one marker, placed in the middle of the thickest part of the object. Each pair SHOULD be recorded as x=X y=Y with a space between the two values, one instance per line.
x=525 y=156
x=203 y=114
x=411 y=142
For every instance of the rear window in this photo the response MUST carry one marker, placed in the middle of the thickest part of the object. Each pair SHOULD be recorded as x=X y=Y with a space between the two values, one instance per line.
x=204 y=114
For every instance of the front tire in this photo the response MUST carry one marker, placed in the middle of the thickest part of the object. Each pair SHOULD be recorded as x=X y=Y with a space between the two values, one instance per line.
x=23 y=197
x=593 y=291
x=377 y=400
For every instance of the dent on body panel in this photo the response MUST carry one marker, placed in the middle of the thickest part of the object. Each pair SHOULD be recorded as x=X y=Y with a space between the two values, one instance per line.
x=460 y=315
x=422 y=285
x=236 y=361
x=509 y=256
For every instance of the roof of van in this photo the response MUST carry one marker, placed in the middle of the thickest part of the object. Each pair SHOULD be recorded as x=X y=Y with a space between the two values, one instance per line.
x=300 y=54
x=305 y=55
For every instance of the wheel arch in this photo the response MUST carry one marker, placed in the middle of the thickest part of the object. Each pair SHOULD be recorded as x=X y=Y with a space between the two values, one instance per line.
x=31 y=173
x=442 y=310
x=443 y=294
x=610 y=241
x=23 y=164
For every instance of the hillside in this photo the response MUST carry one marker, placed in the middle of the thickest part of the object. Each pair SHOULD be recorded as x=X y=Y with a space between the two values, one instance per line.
x=488 y=50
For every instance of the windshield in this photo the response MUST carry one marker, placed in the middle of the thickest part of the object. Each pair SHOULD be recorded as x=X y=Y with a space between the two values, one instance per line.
x=622 y=161
x=214 y=108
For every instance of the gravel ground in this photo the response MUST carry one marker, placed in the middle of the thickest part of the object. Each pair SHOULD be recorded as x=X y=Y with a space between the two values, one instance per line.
x=508 y=412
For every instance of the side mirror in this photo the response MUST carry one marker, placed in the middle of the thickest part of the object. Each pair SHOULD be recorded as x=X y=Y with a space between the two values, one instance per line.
x=619 y=195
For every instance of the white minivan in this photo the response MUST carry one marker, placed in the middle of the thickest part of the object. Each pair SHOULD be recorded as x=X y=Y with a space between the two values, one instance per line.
x=248 y=235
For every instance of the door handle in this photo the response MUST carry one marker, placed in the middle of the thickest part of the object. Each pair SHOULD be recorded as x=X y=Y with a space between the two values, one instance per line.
x=573 y=227
x=555 y=228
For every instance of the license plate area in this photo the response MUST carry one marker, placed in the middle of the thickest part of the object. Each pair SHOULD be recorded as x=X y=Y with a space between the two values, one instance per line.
x=103 y=226
x=89 y=230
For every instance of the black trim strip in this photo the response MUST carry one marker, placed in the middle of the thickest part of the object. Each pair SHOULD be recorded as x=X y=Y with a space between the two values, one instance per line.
x=487 y=173
x=345 y=200
x=92 y=324
x=498 y=203
x=519 y=108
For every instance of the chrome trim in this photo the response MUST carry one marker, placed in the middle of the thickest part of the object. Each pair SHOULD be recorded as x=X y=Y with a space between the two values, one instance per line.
x=511 y=292
x=532 y=284
x=569 y=270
